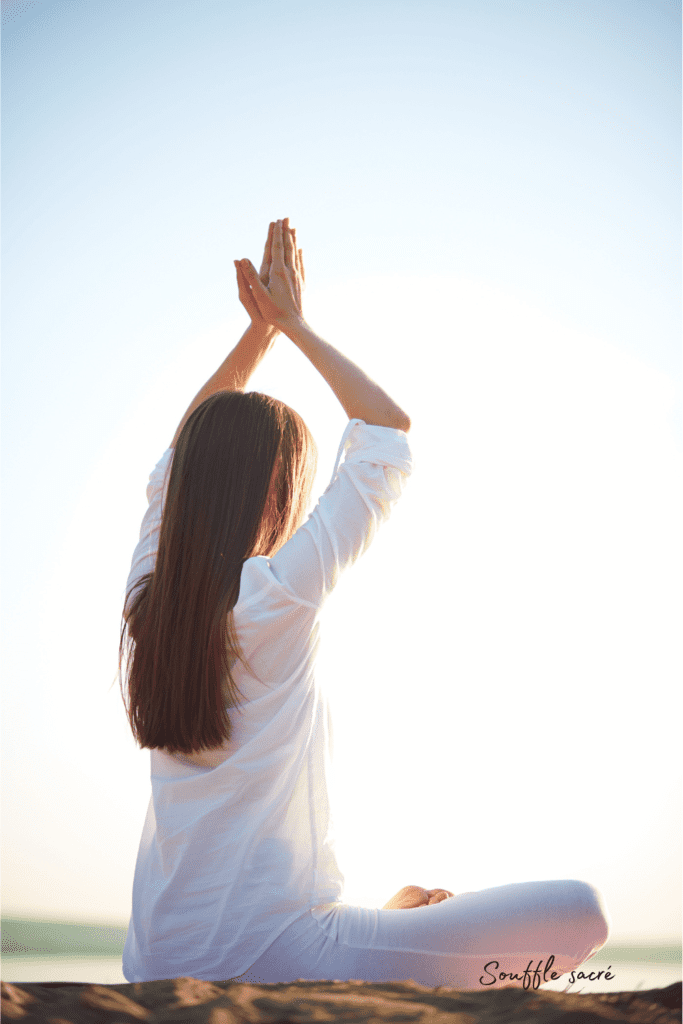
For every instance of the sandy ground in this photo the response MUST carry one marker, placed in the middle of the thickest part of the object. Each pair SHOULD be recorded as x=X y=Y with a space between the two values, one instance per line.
x=195 y=1002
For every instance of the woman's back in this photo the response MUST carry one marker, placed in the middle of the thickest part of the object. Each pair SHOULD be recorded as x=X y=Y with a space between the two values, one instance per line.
x=237 y=841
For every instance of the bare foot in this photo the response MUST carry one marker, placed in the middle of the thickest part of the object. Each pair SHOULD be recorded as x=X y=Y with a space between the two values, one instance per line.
x=415 y=896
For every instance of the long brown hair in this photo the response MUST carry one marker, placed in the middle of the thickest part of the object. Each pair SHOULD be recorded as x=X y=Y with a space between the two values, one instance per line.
x=239 y=486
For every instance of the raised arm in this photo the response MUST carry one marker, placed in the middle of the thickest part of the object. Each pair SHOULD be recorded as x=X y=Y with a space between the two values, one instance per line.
x=236 y=369
x=279 y=304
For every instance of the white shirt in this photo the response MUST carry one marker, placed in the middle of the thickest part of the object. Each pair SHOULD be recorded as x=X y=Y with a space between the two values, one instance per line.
x=237 y=842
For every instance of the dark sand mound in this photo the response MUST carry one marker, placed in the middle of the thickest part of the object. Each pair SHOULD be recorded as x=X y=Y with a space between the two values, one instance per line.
x=203 y=1002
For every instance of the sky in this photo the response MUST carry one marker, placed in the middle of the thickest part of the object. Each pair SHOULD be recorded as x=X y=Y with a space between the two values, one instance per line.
x=488 y=200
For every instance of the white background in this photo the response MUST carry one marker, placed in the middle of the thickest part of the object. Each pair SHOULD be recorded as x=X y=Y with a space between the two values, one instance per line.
x=487 y=196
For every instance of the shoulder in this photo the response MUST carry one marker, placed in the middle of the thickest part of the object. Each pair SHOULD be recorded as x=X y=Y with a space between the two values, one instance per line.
x=158 y=478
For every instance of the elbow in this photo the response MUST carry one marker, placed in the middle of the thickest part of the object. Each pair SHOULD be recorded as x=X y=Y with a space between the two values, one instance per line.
x=394 y=418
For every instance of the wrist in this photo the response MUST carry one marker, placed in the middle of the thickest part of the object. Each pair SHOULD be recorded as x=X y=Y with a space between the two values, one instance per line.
x=262 y=331
x=294 y=327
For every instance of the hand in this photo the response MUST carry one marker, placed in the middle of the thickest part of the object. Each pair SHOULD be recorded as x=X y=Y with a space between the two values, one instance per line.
x=416 y=896
x=274 y=296
x=244 y=291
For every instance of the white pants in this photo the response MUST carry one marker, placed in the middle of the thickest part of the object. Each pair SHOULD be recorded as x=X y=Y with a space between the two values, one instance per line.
x=476 y=940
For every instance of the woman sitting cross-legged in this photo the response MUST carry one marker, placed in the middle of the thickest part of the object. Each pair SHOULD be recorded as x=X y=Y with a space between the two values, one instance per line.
x=236 y=875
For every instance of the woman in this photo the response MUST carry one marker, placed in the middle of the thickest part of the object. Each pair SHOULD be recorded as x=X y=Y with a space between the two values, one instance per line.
x=236 y=874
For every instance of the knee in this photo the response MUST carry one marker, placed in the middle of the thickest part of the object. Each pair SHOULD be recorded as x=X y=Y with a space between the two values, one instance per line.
x=589 y=919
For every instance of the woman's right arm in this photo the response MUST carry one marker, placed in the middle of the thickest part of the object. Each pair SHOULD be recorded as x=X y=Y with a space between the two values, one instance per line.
x=376 y=466
x=360 y=397
x=280 y=305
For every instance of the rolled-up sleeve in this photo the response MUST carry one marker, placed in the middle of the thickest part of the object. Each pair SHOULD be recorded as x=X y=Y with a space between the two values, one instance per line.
x=359 y=499
x=145 y=554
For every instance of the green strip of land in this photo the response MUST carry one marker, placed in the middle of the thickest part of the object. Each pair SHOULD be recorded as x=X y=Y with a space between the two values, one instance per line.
x=24 y=937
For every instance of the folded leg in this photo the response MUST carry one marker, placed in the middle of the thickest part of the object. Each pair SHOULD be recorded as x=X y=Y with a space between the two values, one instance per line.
x=478 y=940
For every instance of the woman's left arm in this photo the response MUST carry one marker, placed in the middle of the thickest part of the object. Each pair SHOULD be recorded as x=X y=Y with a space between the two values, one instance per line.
x=234 y=372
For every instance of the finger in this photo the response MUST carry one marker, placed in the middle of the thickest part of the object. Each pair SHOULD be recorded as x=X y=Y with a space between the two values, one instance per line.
x=290 y=251
x=244 y=292
x=240 y=276
x=267 y=309
x=289 y=233
x=302 y=272
x=278 y=252
x=252 y=282
x=242 y=270
x=290 y=258
x=250 y=276
x=267 y=253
